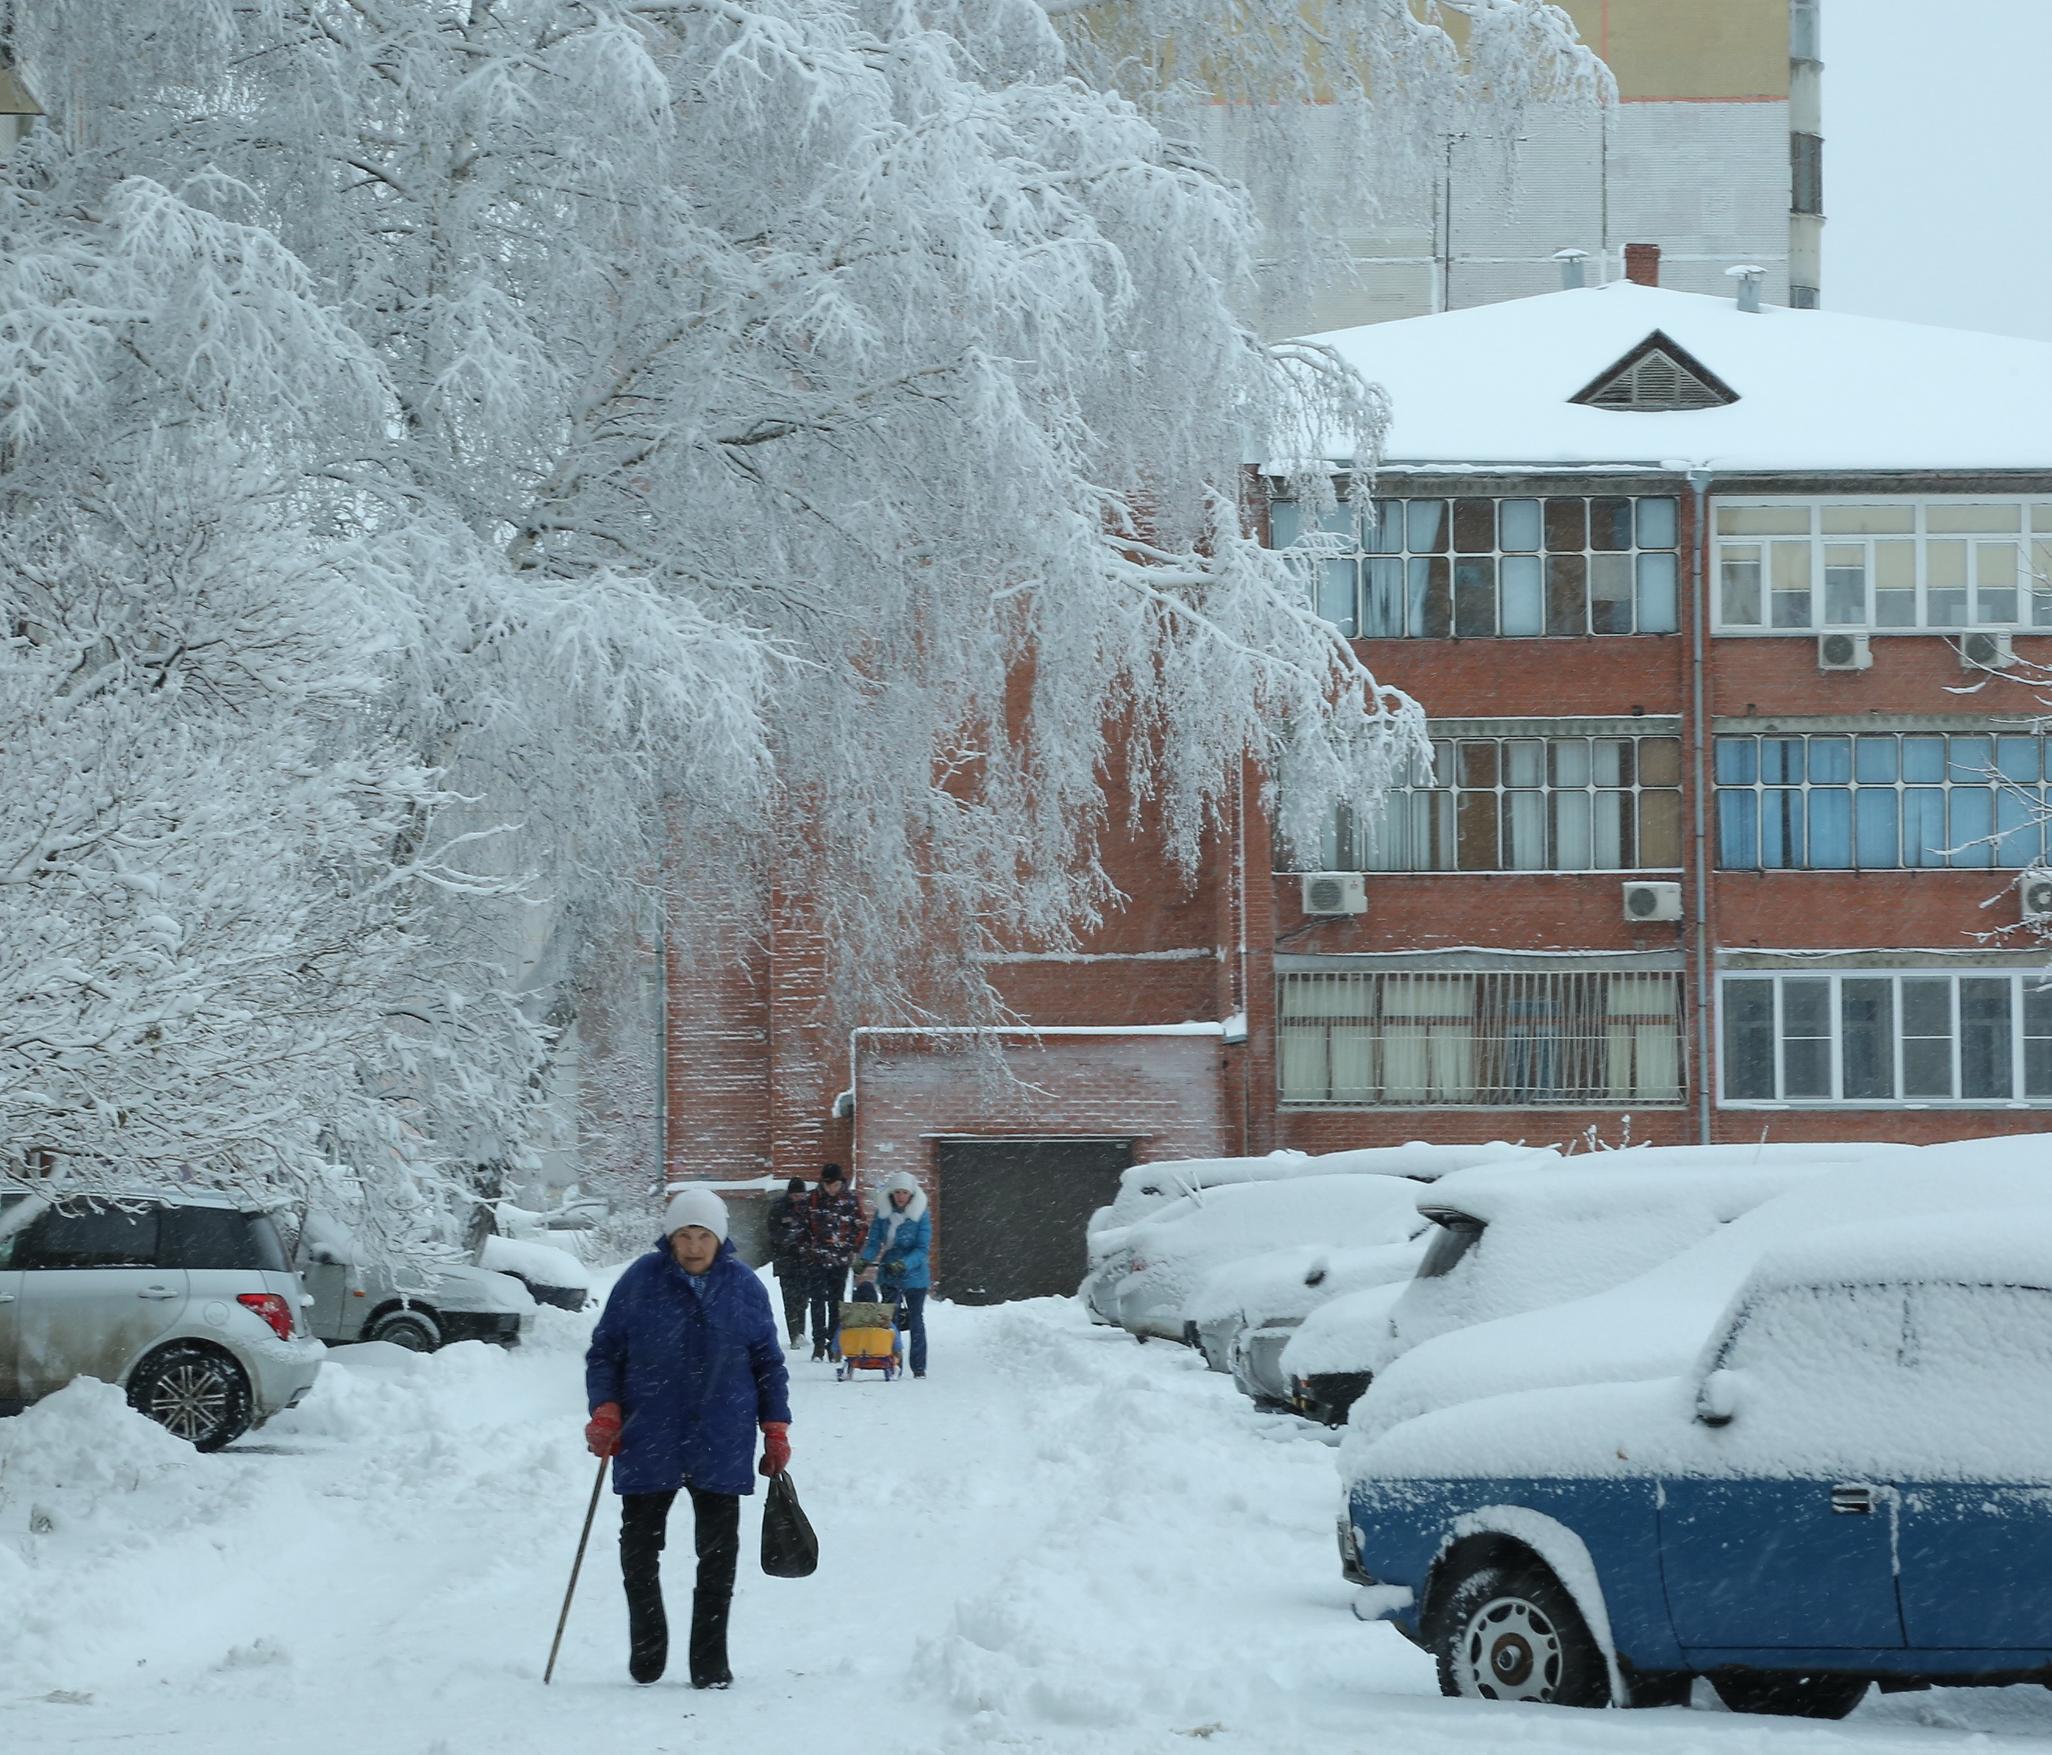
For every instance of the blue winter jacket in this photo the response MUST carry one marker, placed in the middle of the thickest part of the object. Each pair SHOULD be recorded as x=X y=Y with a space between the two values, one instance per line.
x=907 y=1249
x=693 y=1367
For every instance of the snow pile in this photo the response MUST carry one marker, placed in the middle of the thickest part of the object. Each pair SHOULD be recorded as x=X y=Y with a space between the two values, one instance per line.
x=540 y=1264
x=91 y=1493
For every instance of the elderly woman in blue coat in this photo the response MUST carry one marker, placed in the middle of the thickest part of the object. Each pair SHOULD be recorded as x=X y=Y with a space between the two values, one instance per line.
x=685 y=1365
x=894 y=1255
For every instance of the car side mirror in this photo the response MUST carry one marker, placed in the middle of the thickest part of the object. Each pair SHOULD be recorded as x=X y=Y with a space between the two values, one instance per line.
x=1717 y=1398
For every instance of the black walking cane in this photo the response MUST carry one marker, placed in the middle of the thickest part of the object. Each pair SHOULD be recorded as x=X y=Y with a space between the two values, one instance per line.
x=576 y=1566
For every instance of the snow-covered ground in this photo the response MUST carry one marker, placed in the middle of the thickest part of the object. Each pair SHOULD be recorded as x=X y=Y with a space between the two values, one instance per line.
x=1059 y=1541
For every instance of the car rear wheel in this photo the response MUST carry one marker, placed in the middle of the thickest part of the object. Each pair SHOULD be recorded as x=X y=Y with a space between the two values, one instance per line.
x=414 y=1330
x=1791 y=1694
x=194 y=1392
x=1513 y=1633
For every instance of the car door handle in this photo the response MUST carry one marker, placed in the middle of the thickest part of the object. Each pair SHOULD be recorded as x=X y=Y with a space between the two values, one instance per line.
x=155 y=1293
x=1852 y=1501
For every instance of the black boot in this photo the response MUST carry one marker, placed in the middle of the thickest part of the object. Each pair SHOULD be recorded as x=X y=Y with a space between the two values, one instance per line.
x=648 y=1634
x=709 y=1640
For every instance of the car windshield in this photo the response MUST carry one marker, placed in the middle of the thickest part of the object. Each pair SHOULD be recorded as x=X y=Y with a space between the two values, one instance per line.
x=1456 y=1235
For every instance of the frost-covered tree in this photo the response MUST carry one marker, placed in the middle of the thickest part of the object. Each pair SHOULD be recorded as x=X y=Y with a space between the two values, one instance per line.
x=646 y=435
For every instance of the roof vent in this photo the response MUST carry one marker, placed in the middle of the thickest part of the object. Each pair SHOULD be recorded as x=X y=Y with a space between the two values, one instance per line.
x=1570 y=261
x=1748 y=275
x=1658 y=376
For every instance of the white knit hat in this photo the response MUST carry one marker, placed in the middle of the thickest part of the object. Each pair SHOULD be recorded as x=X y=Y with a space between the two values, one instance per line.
x=695 y=1206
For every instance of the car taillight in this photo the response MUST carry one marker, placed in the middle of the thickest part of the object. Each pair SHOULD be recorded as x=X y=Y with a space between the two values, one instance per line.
x=273 y=1308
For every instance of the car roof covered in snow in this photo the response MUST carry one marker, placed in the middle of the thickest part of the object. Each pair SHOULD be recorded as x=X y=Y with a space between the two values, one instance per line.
x=1816 y=390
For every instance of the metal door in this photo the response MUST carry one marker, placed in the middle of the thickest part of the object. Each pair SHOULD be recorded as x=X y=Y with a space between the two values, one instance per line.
x=1011 y=1213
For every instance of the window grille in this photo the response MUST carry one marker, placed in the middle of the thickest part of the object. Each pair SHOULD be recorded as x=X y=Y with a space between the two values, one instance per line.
x=1879 y=1037
x=1473 y=1039
x=1656 y=382
x=1881 y=801
x=1798 y=566
x=1476 y=568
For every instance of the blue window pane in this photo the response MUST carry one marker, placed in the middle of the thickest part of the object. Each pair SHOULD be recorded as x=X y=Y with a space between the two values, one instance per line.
x=1518 y=526
x=1336 y=595
x=2017 y=817
x=1382 y=608
x=1923 y=758
x=1387 y=536
x=1877 y=847
x=2016 y=758
x=1781 y=830
x=1874 y=761
x=1656 y=522
x=1738 y=831
x=1737 y=761
x=1340 y=522
x=1285 y=523
x=1524 y=592
x=1923 y=826
x=1830 y=761
x=1425 y=526
x=1658 y=610
x=1972 y=757
x=1973 y=821
x=1781 y=761
x=1830 y=828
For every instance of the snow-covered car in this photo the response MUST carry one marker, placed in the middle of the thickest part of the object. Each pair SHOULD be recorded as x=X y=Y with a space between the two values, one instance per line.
x=1518 y=1238
x=1145 y=1189
x=1286 y=1284
x=186 y=1302
x=1851 y=1484
x=551 y=1275
x=1650 y=1326
x=355 y=1298
x=1173 y=1252
x=1257 y=1357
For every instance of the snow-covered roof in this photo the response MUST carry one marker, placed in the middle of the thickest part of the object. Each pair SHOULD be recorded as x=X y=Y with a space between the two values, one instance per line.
x=1816 y=390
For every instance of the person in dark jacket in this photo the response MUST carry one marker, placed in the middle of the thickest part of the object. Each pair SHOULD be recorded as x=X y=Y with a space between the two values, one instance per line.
x=684 y=1366
x=894 y=1256
x=786 y=1227
x=833 y=1222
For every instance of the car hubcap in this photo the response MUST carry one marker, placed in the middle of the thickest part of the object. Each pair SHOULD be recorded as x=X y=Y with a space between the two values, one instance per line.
x=190 y=1401
x=1512 y=1652
x=408 y=1335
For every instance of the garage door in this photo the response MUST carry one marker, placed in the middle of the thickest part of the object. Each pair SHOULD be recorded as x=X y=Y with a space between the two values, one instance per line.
x=1012 y=1213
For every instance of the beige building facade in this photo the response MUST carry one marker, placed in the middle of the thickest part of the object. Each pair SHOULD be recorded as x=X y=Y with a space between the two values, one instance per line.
x=1714 y=152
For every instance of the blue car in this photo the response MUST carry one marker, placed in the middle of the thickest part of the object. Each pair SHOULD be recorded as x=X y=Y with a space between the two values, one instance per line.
x=1853 y=1485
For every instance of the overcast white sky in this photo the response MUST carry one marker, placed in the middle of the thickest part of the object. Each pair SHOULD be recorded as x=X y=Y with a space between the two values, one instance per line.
x=1936 y=194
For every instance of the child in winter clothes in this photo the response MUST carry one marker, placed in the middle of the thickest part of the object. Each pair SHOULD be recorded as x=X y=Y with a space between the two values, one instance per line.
x=894 y=1255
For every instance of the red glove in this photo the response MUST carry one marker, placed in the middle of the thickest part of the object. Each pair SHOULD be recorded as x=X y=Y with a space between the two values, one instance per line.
x=776 y=1446
x=602 y=1436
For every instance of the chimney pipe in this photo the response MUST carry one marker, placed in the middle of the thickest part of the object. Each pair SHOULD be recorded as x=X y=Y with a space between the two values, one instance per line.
x=1748 y=275
x=1570 y=261
x=1642 y=264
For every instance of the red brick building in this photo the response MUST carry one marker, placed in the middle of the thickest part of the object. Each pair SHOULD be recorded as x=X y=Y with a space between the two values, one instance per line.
x=1722 y=618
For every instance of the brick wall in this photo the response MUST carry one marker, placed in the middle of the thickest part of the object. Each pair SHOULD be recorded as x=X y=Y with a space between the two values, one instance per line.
x=1164 y=1091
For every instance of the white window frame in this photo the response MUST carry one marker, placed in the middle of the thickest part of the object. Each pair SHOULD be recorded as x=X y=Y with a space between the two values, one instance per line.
x=2019 y=981
x=2033 y=590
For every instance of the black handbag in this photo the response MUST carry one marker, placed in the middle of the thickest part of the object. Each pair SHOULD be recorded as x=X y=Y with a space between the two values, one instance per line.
x=789 y=1548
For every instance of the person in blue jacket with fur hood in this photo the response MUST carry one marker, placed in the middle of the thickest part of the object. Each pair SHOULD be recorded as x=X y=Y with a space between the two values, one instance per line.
x=685 y=1364
x=894 y=1255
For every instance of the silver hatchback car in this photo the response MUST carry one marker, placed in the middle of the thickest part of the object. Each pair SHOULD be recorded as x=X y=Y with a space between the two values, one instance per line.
x=186 y=1301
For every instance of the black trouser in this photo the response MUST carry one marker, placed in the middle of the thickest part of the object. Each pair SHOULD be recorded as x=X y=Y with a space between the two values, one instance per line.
x=716 y=1526
x=794 y=1285
x=829 y=1286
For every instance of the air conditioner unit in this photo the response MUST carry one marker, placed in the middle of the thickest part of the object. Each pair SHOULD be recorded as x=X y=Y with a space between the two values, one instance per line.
x=1335 y=892
x=2034 y=890
x=1985 y=652
x=1652 y=901
x=1844 y=652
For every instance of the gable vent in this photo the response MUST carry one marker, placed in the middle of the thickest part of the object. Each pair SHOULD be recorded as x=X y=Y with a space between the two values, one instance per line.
x=1657 y=376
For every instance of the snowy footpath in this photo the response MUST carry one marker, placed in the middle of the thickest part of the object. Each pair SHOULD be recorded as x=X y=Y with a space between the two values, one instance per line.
x=1059 y=1541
